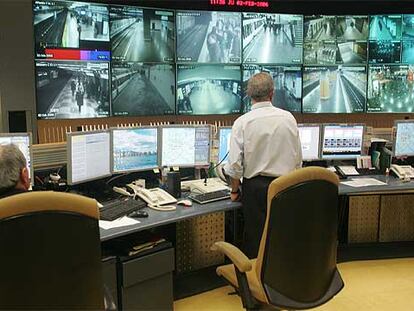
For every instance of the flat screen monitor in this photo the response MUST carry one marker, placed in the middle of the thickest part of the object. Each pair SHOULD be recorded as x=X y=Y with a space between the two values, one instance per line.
x=310 y=140
x=404 y=138
x=72 y=89
x=185 y=146
x=208 y=37
x=342 y=141
x=334 y=89
x=140 y=89
x=134 y=149
x=287 y=85
x=88 y=156
x=390 y=88
x=70 y=25
x=385 y=27
x=272 y=38
x=224 y=144
x=208 y=89
x=142 y=35
x=24 y=142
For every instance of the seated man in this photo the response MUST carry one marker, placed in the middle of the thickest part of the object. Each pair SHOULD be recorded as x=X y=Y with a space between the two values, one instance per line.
x=14 y=174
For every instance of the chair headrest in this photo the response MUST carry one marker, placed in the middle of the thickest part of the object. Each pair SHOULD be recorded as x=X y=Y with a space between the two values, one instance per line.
x=30 y=202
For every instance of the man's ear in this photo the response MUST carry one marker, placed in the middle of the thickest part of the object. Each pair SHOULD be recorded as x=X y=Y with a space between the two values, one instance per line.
x=24 y=178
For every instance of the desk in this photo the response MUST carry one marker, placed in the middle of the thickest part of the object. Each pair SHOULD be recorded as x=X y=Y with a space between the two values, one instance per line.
x=158 y=218
x=376 y=221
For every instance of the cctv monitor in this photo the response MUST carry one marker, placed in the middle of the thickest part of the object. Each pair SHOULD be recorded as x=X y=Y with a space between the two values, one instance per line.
x=208 y=37
x=224 y=144
x=24 y=142
x=404 y=138
x=310 y=141
x=270 y=38
x=142 y=34
x=390 y=88
x=342 y=141
x=334 y=89
x=88 y=156
x=185 y=146
x=208 y=89
x=134 y=149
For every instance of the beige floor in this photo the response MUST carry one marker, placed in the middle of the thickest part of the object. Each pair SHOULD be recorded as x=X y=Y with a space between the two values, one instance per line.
x=369 y=285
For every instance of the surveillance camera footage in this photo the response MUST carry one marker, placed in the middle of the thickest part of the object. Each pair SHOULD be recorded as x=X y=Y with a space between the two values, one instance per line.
x=67 y=90
x=208 y=89
x=352 y=28
x=208 y=37
x=390 y=88
x=320 y=52
x=320 y=28
x=334 y=89
x=142 y=35
x=385 y=27
x=272 y=38
x=408 y=27
x=287 y=86
x=142 y=89
x=67 y=24
x=384 y=52
x=351 y=52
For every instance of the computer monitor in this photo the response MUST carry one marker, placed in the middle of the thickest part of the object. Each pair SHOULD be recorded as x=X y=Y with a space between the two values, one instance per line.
x=224 y=144
x=185 y=146
x=404 y=139
x=88 y=156
x=342 y=141
x=134 y=149
x=310 y=136
x=24 y=142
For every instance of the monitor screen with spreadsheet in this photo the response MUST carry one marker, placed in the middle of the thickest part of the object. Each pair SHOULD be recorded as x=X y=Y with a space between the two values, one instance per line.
x=88 y=156
x=134 y=149
x=310 y=141
x=404 y=139
x=342 y=141
x=224 y=144
x=24 y=142
x=185 y=146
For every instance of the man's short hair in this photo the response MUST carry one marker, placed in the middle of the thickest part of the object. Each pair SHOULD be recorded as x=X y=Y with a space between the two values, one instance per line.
x=12 y=161
x=260 y=86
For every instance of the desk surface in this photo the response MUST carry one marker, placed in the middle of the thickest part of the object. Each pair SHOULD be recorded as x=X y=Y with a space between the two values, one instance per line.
x=158 y=218
x=394 y=185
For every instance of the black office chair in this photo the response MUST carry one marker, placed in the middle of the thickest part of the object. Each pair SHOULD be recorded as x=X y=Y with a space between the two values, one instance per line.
x=296 y=264
x=50 y=252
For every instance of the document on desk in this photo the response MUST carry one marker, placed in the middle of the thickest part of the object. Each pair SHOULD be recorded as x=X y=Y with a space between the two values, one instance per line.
x=363 y=182
x=117 y=223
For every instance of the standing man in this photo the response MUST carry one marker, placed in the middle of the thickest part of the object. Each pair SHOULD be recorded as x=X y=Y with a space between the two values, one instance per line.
x=264 y=145
x=14 y=174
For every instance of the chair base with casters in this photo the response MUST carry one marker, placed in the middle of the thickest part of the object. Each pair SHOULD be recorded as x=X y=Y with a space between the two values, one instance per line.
x=296 y=265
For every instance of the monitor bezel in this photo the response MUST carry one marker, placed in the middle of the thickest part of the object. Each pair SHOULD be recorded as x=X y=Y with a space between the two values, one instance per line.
x=69 y=156
x=112 y=129
x=394 y=143
x=161 y=139
x=318 y=125
x=29 y=134
x=342 y=157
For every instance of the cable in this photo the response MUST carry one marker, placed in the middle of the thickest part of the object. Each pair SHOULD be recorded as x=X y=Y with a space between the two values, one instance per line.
x=116 y=177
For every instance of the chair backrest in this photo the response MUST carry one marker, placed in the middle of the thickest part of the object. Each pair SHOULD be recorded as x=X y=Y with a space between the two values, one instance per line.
x=50 y=252
x=296 y=263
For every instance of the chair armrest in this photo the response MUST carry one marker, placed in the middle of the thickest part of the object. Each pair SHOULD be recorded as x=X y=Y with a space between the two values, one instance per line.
x=238 y=258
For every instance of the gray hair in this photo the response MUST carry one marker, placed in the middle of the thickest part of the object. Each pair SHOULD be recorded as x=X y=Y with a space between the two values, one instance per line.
x=12 y=161
x=260 y=86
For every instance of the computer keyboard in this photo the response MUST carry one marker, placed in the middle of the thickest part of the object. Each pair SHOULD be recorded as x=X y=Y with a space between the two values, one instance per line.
x=114 y=209
x=210 y=196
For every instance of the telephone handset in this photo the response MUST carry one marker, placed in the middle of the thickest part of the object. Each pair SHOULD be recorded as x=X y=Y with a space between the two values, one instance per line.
x=403 y=171
x=156 y=198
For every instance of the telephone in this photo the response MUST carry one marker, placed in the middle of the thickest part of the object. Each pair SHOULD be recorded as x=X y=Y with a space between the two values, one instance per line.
x=403 y=171
x=156 y=197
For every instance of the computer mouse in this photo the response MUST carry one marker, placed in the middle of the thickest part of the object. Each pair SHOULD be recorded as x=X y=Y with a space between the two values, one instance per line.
x=138 y=214
x=185 y=202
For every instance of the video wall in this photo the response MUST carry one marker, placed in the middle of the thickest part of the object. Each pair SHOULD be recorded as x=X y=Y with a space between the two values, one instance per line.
x=99 y=60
